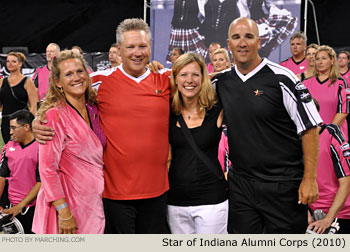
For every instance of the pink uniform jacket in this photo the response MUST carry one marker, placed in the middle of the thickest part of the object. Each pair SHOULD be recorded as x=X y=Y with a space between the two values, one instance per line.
x=22 y=163
x=41 y=78
x=333 y=164
x=332 y=99
x=70 y=167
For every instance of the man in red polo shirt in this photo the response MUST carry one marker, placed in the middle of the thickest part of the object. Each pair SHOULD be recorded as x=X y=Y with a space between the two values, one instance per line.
x=134 y=109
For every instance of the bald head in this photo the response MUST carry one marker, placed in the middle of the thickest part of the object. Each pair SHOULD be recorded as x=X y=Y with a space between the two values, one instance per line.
x=52 y=51
x=244 y=43
x=246 y=21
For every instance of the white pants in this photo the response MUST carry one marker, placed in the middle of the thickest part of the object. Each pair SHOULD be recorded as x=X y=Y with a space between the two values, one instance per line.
x=204 y=219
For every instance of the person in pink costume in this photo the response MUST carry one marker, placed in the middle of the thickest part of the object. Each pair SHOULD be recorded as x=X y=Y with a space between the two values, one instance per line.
x=297 y=63
x=212 y=47
x=70 y=166
x=333 y=179
x=330 y=89
x=42 y=74
x=343 y=63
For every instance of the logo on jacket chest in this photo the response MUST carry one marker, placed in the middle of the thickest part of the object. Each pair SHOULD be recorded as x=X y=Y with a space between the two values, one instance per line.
x=258 y=92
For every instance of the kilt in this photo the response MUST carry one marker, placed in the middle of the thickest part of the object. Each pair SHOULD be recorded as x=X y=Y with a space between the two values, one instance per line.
x=189 y=40
x=274 y=29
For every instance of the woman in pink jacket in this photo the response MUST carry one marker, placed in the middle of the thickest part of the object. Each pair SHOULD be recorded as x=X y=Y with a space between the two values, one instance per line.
x=70 y=166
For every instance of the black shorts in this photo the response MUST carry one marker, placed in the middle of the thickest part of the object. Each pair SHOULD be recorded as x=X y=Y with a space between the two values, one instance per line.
x=257 y=207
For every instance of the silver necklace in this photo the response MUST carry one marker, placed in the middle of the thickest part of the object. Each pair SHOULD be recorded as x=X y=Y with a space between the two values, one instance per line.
x=188 y=114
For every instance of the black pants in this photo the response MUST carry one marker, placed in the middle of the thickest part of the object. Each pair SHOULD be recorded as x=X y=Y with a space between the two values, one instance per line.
x=144 y=216
x=5 y=129
x=27 y=220
x=4 y=199
x=344 y=226
x=257 y=207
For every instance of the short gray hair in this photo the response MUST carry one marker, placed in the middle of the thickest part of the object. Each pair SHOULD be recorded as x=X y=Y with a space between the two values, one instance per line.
x=132 y=24
x=299 y=34
x=57 y=46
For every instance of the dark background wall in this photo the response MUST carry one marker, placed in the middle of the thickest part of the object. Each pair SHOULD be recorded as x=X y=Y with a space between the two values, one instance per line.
x=333 y=22
x=91 y=24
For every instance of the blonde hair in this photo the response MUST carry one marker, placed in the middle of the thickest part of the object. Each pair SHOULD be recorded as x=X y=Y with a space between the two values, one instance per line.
x=20 y=56
x=54 y=96
x=313 y=45
x=207 y=96
x=225 y=53
x=132 y=24
x=79 y=49
x=334 y=72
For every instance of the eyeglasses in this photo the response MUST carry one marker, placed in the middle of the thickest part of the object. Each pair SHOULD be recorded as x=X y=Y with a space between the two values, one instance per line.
x=15 y=127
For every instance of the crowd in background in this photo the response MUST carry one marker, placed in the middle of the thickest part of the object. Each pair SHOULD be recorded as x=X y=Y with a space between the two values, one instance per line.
x=242 y=134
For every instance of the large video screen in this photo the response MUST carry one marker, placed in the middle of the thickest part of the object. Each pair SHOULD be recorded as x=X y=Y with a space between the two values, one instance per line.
x=193 y=25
